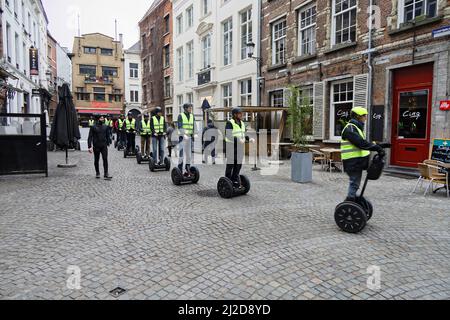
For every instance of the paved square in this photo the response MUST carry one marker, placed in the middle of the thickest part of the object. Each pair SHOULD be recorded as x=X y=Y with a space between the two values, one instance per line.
x=141 y=233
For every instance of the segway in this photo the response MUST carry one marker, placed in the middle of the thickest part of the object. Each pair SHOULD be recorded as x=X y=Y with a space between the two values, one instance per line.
x=131 y=154
x=352 y=217
x=153 y=166
x=227 y=189
x=179 y=179
x=142 y=158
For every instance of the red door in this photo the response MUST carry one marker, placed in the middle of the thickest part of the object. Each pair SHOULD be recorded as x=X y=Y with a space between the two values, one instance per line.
x=411 y=115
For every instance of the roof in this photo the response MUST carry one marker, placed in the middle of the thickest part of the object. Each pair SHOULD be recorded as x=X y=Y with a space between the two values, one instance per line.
x=135 y=47
x=95 y=33
x=154 y=5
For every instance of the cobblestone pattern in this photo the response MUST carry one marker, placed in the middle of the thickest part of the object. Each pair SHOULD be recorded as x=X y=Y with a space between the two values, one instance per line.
x=158 y=241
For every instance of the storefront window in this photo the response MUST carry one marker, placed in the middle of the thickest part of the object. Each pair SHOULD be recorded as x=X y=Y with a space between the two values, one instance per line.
x=413 y=115
x=341 y=106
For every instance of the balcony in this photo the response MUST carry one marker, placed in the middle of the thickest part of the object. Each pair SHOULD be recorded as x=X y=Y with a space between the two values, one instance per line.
x=204 y=77
x=98 y=80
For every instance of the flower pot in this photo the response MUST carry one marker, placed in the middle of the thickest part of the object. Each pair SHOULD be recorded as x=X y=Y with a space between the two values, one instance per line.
x=301 y=167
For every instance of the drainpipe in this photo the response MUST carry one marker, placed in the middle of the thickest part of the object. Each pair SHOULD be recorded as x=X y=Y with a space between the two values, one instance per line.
x=259 y=61
x=370 y=67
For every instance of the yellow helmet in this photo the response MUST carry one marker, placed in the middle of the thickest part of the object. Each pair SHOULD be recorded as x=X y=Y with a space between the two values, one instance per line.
x=360 y=111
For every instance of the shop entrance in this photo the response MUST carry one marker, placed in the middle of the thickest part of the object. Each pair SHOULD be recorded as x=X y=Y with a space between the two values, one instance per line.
x=411 y=115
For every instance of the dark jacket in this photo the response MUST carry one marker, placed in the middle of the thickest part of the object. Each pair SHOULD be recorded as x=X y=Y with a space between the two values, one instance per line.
x=210 y=132
x=351 y=134
x=99 y=137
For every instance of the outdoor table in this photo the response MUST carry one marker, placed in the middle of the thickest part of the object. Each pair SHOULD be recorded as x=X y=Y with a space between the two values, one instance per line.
x=329 y=153
x=444 y=167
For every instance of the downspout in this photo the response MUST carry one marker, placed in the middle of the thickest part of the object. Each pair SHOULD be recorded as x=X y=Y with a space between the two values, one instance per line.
x=370 y=67
x=259 y=61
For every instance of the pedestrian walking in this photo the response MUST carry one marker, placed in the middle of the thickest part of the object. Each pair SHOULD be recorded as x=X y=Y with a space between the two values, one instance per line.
x=98 y=142
x=356 y=150
x=171 y=140
x=209 y=141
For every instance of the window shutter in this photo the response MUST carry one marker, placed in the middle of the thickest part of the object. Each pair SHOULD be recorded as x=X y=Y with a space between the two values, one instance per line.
x=361 y=84
x=318 y=114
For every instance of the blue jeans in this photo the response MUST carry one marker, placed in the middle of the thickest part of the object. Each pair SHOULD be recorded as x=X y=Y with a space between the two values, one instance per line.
x=355 y=183
x=158 y=149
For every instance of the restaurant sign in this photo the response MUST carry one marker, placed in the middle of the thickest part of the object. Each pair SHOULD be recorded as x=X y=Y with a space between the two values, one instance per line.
x=34 y=62
x=445 y=105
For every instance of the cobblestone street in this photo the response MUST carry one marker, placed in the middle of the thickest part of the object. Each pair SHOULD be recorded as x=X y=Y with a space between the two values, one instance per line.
x=141 y=233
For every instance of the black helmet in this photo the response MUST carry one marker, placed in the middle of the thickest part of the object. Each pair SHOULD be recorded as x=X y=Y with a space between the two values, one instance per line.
x=146 y=115
x=130 y=114
x=187 y=106
x=158 y=110
x=236 y=110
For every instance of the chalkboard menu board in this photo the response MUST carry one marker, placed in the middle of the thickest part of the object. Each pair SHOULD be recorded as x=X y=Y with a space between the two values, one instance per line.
x=377 y=121
x=441 y=150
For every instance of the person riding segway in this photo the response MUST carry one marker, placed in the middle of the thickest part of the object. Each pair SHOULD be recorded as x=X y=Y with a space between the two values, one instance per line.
x=121 y=141
x=352 y=215
x=143 y=155
x=234 y=184
x=158 y=130
x=186 y=130
x=130 y=126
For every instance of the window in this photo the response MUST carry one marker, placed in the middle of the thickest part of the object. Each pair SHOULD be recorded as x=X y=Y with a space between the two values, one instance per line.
x=416 y=8
x=180 y=24
x=180 y=62
x=90 y=50
x=246 y=32
x=109 y=72
x=16 y=9
x=150 y=63
x=190 y=59
x=106 y=52
x=88 y=70
x=24 y=48
x=307 y=30
x=246 y=92
x=144 y=88
x=279 y=42
x=277 y=99
x=152 y=92
x=205 y=7
x=180 y=103
x=189 y=17
x=8 y=42
x=190 y=98
x=82 y=95
x=99 y=94
x=227 y=28
x=206 y=52
x=134 y=95
x=23 y=14
x=167 y=56
x=344 y=21
x=227 y=95
x=134 y=70
x=341 y=106
x=307 y=100
x=167 y=24
x=17 y=48
x=167 y=87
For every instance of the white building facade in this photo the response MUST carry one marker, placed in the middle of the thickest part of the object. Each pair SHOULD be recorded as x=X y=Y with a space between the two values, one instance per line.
x=25 y=26
x=133 y=79
x=64 y=66
x=210 y=53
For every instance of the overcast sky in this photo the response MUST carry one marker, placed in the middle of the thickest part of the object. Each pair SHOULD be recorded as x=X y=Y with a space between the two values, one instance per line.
x=95 y=16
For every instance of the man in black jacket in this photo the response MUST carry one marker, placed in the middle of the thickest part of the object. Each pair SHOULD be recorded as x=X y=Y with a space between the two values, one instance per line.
x=98 y=142
x=356 y=150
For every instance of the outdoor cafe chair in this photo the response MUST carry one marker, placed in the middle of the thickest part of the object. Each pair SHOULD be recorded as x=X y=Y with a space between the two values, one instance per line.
x=426 y=174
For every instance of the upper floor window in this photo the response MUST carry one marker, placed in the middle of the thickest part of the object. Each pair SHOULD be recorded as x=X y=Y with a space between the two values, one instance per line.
x=167 y=56
x=205 y=7
x=206 y=52
x=90 y=50
x=344 y=21
x=109 y=71
x=246 y=32
x=180 y=24
x=279 y=42
x=307 y=30
x=106 y=52
x=134 y=70
x=180 y=62
x=413 y=9
x=227 y=42
x=167 y=24
x=88 y=70
x=189 y=17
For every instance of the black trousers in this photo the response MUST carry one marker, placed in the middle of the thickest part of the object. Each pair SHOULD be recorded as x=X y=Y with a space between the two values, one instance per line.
x=234 y=162
x=131 y=141
x=104 y=152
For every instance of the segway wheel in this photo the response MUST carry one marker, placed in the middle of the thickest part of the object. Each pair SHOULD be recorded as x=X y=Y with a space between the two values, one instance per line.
x=196 y=174
x=350 y=217
x=139 y=157
x=367 y=205
x=246 y=184
x=151 y=164
x=225 y=188
x=167 y=164
x=176 y=176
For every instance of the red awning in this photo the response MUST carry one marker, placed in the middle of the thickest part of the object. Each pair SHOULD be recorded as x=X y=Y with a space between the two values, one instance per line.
x=99 y=111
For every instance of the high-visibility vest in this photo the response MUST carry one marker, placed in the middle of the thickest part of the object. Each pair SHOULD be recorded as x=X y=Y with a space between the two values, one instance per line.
x=121 y=124
x=146 y=128
x=130 y=124
x=107 y=123
x=350 y=151
x=238 y=130
x=91 y=123
x=158 y=125
x=188 y=124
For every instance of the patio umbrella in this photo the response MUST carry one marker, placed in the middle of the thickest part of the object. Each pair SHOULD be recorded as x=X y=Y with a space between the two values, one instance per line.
x=65 y=132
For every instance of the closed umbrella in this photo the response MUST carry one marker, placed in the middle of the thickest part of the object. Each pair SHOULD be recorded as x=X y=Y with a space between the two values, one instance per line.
x=65 y=132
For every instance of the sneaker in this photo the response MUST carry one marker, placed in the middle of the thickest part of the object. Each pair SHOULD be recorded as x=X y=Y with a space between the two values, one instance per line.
x=97 y=176
x=108 y=177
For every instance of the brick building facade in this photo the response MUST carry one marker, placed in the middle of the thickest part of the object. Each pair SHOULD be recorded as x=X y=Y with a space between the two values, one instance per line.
x=157 y=57
x=323 y=47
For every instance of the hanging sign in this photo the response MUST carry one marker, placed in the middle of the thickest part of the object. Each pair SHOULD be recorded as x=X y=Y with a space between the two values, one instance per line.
x=34 y=62
x=445 y=105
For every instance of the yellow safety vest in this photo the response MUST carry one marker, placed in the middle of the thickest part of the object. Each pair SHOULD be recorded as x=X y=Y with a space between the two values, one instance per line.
x=188 y=124
x=130 y=124
x=146 y=128
x=91 y=123
x=158 y=125
x=350 y=151
x=121 y=124
x=238 y=131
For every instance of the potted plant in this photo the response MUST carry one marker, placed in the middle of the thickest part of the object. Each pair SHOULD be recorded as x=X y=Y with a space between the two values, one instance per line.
x=299 y=119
